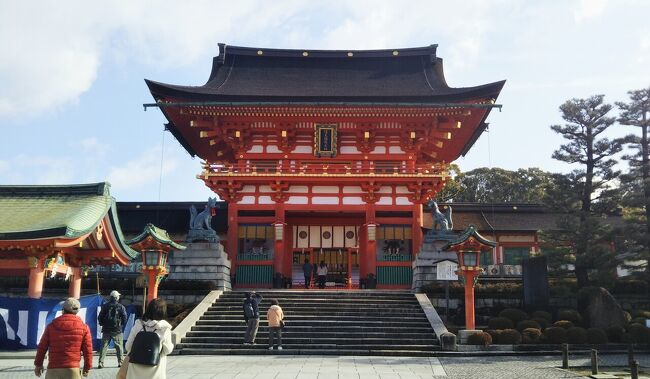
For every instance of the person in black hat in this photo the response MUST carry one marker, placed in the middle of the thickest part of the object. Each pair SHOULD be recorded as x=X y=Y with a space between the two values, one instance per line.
x=112 y=318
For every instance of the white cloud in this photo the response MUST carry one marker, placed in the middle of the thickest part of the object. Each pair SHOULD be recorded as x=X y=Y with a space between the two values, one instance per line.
x=589 y=9
x=141 y=171
x=52 y=51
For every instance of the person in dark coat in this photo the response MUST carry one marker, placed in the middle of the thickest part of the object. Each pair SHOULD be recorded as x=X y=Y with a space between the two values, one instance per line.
x=66 y=338
x=307 y=270
x=251 y=316
x=112 y=318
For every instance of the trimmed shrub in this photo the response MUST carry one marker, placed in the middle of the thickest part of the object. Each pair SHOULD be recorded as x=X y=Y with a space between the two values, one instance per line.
x=615 y=333
x=627 y=316
x=494 y=334
x=576 y=335
x=510 y=337
x=542 y=314
x=521 y=325
x=531 y=335
x=636 y=287
x=555 y=335
x=641 y=313
x=500 y=323
x=639 y=333
x=544 y=323
x=480 y=339
x=596 y=336
x=570 y=315
x=514 y=314
x=563 y=324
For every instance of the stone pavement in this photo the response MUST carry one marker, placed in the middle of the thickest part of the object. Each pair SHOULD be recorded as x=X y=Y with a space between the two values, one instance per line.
x=343 y=367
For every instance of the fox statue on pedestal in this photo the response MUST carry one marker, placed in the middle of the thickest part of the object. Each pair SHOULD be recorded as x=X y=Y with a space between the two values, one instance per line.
x=202 y=221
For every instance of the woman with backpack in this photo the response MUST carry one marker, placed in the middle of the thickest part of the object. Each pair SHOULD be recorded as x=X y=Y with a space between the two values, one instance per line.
x=148 y=354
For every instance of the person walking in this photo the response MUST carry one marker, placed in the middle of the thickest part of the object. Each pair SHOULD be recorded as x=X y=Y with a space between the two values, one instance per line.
x=322 y=274
x=251 y=316
x=112 y=319
x=307 y=270
x=66 y=338
x=153 y=320
x=275 y=317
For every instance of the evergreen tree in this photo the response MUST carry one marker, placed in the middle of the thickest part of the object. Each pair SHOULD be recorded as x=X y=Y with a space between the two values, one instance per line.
x=635 y=185
x=497 y=185
x=586 y=120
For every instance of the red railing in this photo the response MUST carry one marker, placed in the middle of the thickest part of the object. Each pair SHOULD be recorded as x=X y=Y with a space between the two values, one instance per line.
x=310 y=168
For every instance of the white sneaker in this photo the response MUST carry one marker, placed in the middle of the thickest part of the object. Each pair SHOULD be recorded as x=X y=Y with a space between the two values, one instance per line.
x=271 y=348
x=279 y=347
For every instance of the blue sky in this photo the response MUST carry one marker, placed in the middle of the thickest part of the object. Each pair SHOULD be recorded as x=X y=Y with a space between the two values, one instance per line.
x=72 y=89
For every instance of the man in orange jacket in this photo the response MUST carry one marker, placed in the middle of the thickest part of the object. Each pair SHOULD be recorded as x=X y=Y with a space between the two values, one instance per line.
x=66 y=338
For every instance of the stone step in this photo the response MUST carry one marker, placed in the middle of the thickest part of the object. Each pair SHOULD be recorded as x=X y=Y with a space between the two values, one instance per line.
x=263 y=344
x=385 y=351
x=322 y=317
x=214 y=336
x=309 y=341
x=316 y=329
x=330 y=323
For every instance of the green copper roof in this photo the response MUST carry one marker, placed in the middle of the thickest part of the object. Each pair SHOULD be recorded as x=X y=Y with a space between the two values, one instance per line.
x=470 y=232
x=158 y=234
x=62 y=211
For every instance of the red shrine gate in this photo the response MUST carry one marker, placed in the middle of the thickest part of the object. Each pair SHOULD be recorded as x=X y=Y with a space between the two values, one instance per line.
x=327 y=155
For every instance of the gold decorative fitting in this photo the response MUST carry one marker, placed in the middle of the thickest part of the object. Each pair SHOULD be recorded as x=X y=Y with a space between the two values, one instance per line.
x=237 y=133
x=366 y=135
x=213 y=142
x=350 y=54
x=395 y=52
x=260 y=52
x=439 y=144
x=305 y=54
x=241 y=156
x=284 y=133
x=458 y=124
x=447 y=135
x=413 y=135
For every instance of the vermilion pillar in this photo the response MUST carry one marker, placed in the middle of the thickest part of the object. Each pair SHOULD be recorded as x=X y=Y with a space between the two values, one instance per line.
x=280 y=234
x=152 y=284
x=74 y=288
x=36 y=276
x=233 y=236
x=470 y=314
x=370 y=241
x=416 y=229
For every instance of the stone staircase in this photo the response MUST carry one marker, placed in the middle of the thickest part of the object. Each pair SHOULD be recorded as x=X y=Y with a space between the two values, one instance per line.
x=319 y=323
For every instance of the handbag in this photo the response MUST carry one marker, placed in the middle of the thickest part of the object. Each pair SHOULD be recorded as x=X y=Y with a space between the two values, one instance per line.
x=121 y=373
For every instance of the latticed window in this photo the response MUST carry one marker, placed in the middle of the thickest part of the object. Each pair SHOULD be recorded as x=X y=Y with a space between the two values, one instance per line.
x=394 y=243
x=256 y=242
x=515 y=255
x=486 y=258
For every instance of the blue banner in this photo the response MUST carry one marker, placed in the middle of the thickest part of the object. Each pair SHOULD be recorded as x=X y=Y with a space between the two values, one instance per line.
x=23 y=320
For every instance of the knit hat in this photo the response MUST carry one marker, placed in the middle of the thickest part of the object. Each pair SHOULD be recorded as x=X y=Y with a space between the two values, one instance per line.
x=71 y=305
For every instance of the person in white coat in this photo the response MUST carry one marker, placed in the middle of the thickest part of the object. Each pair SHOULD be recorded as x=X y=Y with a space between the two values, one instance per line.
x=153 y=319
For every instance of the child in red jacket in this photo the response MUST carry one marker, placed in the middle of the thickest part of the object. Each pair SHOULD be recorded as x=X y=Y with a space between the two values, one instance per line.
x=66 y=338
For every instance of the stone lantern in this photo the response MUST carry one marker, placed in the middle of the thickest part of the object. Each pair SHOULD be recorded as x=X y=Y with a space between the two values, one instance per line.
x=154 y=245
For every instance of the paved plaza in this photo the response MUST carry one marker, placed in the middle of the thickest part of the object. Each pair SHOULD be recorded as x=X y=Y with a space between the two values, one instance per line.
x=326 y=367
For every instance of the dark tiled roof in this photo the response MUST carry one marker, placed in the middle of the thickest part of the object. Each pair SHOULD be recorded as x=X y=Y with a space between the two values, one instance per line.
x=242 y=74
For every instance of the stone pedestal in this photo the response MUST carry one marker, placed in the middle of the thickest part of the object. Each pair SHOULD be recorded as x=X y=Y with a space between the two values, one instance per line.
x=424 y=265
x=202 y=261
x=464 y=334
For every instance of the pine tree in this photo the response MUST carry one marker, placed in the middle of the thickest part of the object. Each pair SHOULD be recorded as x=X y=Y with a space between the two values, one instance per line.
x=635 y=185
x=586 y=120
